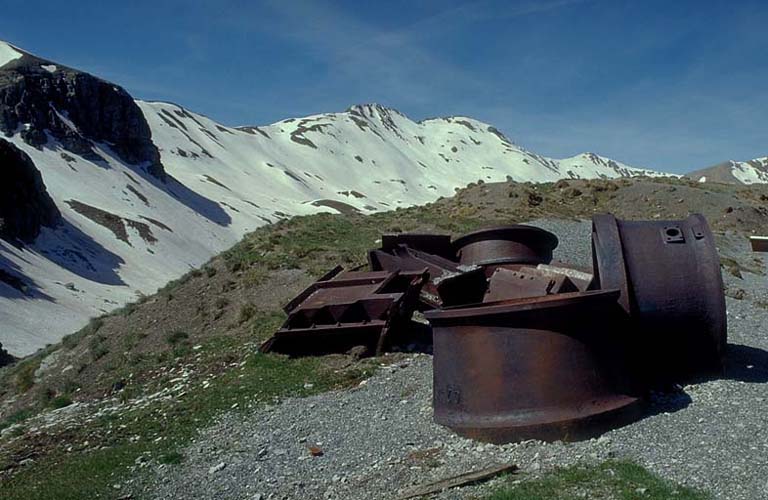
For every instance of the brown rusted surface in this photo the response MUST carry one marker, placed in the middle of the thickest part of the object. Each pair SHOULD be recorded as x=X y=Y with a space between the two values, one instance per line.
x=545 y=368
x=402 y=257
x=347 y=309
x=759 y=243
x=517 y=244
x=668 y=273
x=526 y=282
x=582 y=278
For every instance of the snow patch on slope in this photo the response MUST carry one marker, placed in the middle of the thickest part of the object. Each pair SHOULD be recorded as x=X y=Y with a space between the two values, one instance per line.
x=751 y=172
x=126 y=233
x=8 y=53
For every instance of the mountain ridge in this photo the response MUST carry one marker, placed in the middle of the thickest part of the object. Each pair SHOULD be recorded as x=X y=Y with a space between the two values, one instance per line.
x=753 y=171
x=134 y=216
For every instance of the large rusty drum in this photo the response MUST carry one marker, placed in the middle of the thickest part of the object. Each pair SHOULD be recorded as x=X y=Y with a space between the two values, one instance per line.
x=668 y=274
x=545 y=368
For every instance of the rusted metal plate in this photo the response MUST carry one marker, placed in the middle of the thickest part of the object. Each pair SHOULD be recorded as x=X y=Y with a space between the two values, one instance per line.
x=402 y=257
x=759 y=243
x=517 y=244
x=668 y=273
x=545 y=368
x=582 y=278
x=507 y=284
x=347 y=309
x=607 y=257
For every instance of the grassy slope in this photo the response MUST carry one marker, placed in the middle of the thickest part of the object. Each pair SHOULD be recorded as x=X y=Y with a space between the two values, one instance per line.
x=613 y=479
x=208 y=323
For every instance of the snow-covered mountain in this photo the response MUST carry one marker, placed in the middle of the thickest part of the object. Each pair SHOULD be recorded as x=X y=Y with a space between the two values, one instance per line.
x=734 y=172
x=144 y=191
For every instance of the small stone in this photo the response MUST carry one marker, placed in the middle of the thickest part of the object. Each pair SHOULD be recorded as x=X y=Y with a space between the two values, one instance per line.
x=315 y=451
x=641 y=491
x=216 y=468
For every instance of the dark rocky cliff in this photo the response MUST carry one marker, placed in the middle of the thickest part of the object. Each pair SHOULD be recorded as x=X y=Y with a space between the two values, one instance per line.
x=25 y=205
x=39 y=98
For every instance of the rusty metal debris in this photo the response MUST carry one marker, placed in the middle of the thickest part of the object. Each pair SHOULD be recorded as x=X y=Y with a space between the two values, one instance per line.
x=402 y=257
x=668 y=273
x=507 y=284
x=525 y=347
x=346 y=309
x=543 y=367
x=517 y=244
x=759 y=243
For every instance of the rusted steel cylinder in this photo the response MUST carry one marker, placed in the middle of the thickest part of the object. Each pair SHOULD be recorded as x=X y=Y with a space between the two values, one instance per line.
x=545 y=368
x=668 y=273
x=517 y=244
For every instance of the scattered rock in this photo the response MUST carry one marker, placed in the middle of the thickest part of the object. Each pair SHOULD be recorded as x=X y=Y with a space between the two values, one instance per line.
x=217 y=468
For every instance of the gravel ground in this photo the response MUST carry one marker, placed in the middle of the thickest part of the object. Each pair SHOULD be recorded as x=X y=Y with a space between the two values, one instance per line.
x=379 y=438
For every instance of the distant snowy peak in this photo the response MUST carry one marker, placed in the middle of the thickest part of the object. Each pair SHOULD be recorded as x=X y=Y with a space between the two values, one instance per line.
x=313 y=163
x=734 y=172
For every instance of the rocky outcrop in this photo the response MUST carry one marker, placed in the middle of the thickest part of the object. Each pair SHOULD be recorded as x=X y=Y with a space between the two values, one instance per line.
x=25 y=205
x=5 y=358
x=39 y=99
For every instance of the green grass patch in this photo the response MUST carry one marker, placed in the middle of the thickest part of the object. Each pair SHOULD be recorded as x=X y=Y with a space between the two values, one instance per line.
x=171 y=458
x=247 y=312
x=17 y=417
x=613 y=479
x=176 y=337
x=73 y=340
x=25 y=374
x=60 y=401
x=258 y=379
x=318 y=242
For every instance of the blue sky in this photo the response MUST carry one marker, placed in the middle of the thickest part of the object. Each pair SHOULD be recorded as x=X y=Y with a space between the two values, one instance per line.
x=671 y=85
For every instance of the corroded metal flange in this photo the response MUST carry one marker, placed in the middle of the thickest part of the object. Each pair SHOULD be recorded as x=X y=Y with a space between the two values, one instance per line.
x=517 y=244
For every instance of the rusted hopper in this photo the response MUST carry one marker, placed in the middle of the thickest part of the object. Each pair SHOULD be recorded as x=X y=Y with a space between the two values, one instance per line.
x=402 y=257
x=347 y=309
x=516 y=244
x=668 y=275
x=546 y=368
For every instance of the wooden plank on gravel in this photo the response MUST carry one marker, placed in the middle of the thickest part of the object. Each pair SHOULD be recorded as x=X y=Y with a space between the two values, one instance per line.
x=456 y=481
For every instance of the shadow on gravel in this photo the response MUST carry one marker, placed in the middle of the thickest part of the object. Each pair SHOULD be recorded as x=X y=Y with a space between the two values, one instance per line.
x=666 y=402
x=742 y=363
x=746 y=364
